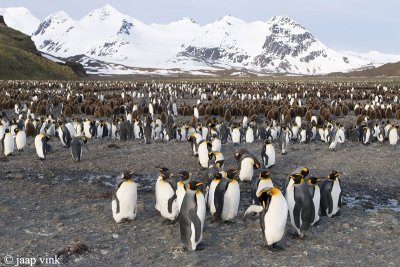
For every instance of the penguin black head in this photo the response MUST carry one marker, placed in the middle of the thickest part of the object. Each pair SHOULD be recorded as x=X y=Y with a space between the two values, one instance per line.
x=264 y=174
x=313 y=180
x=84 y=139
x=211 y=155
x=16 y=130
x=126 y=176
x=333 y=175
x=194 y=185
x=267 y=142
x=219 y=176
x=7 y=131
x=231 y=173
x=305 y=171
x=184 y=175
x=297 y=178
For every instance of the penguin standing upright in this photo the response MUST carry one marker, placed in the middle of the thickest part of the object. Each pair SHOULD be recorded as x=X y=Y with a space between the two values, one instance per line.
x=264 y=180
x=65 y=136
x=184 y=179
x=268 y=154
x=147 y=130
x=283 y=139
x=20 y=139
x=42 y=146
x=124 y=201
x=204 y=148
x=211 y=191
x=331 y=195
x=300 y=204
x=393 y=135
x=166 y=198
x=192 y=216
x=273 y=216
x=227 y=199
x=77 y=144
x=313 y=188
x=194 y=140
x=247 y=165
x=236 y=135
x=8 y=143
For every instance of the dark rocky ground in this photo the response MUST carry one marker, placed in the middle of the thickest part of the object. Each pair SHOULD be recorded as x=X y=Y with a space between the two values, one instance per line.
x=58 y=206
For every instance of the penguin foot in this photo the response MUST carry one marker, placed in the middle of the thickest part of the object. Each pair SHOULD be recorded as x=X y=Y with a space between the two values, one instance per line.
x=275 y=248
x=4 y=159
x=336 y=215
x=294 y=235
x=169 y=222
x=316 y=223
x=230 y=221
x=200 y=247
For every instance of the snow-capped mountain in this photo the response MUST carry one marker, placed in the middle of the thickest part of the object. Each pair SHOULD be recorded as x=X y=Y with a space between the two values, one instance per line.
x=20 y=18
x=107 y=36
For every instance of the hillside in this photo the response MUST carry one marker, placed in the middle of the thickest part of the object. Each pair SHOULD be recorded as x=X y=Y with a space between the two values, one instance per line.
x=19 y=58
x=386 y=70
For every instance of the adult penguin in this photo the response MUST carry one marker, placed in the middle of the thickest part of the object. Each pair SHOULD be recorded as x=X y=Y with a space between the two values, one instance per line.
x=204 y=148
x=302 y=170
x=300 y=204
x=247 y=165
x=194 y=140
x=263 y=181
x=166 y=198
x=268 y=154
x=41 y=145
x=8 y=143
x=216 y=157
x=77 y=145
x=273 y=216
x=192 y=216
x=315 y=193
x=65 y=135
x=211 y=191
x=184 y=179
x=393 y=135
x=20 y=139
x=124 y=201
x=284 y=139
x=331 y=195
x=236 y=135
x=227 y=199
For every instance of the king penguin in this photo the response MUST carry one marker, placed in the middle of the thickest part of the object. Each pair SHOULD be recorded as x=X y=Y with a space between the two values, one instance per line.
x=331 y=195
x=166 y=198
x=315 y=193
x=268 y=154
x=273 y=216
x=192 y=216
x=41 y=145
x=300 y=204
x=263 y=181
x=20 y=139
x=77 y=147
x=8 y=143
x=227 y=199
x=124 y=201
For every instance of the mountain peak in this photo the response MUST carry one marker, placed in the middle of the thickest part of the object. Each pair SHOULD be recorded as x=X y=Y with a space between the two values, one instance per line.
x=188 y=19
x=104 y=12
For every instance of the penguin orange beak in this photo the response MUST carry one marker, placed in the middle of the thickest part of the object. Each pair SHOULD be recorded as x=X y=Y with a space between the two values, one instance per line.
x=198 y=184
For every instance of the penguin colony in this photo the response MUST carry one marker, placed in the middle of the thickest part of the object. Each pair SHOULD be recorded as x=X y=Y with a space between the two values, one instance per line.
x=208 y=116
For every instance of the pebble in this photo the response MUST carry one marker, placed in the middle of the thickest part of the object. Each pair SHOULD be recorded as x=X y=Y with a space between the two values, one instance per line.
x=115 y=236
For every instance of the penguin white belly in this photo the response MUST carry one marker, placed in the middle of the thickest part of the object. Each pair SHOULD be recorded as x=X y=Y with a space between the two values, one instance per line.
x=39 y=146
x=249 y=135
x=291 y=203
x=61 y=136
x=204 y=132
x=393 y=137
x=216 y=145
x=180 y=194
x=236 y=136
x=341 y=136
x=20 y=140
x=246 y=170
x=165 y=192
x=203 y=155
x=210 y=196
x=8 y=144
x=127 y=197
x=270 y=152
x=275 y=219
x=99 y=132
x=136 y=131
x=335 y=198
x=86 y=131
x=201 y=214
x=316 y=200
x=231 y=201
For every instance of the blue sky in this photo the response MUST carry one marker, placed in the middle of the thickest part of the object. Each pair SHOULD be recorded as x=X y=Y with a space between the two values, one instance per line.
x=358 y=25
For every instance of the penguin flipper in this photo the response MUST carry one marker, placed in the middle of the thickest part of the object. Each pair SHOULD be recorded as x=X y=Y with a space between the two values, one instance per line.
x=114 y=196
x=297 y=214
x=340 y=200
x=197 y=224
x=170 y=202
x=219 y=194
